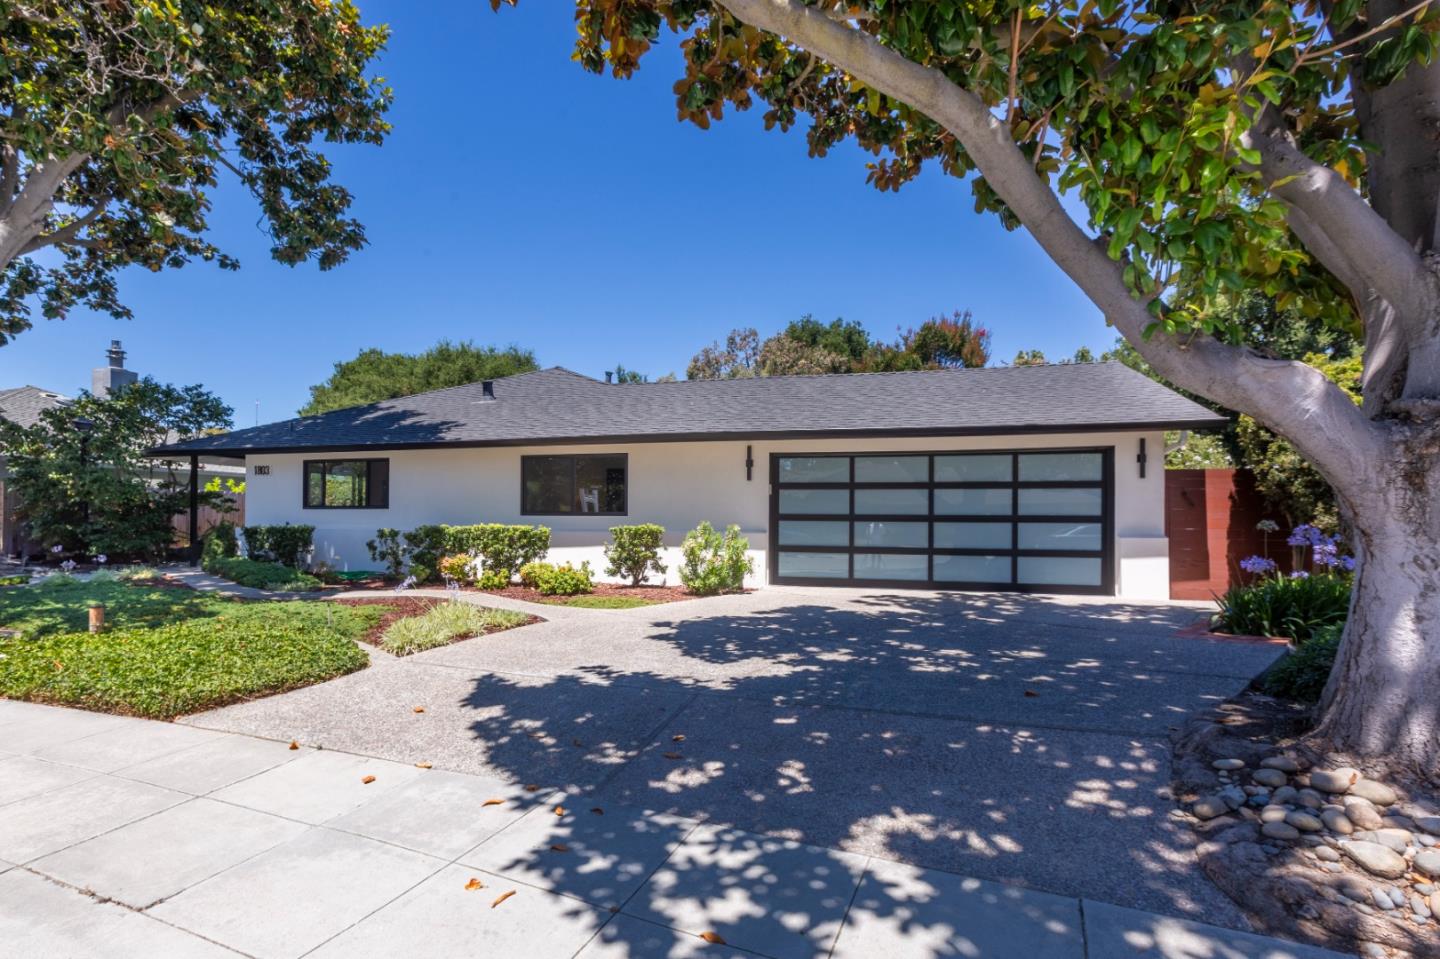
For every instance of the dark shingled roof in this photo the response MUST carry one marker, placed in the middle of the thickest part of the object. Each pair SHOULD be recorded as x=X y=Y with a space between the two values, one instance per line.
x=557 y=406
x=24 y=404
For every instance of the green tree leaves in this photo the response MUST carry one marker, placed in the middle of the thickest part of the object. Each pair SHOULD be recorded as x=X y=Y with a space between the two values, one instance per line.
x=375 y=375
x=124 y=115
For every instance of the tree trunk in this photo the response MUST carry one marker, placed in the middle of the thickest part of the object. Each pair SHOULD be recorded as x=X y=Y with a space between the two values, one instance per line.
x=1383 y=697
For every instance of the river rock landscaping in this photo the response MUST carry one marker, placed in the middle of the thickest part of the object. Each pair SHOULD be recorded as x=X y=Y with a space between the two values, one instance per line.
x=1313 y=849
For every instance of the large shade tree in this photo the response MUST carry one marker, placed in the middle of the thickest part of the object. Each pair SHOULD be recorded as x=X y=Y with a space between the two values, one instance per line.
x=115 y=118
x=1216 y=147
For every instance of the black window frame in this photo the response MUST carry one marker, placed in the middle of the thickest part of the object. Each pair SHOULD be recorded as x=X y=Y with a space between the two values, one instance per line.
x=383 y=486
x=1106 y=554
x=575 y=458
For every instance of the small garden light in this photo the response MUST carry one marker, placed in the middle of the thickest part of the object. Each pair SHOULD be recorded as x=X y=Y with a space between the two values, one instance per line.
x=97 y=617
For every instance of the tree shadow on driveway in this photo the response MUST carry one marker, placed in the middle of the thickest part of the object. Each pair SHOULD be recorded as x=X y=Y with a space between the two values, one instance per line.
x=1018 y=739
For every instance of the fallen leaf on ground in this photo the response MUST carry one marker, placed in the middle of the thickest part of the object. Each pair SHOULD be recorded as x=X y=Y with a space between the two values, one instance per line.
x=576 y=742
x=501 y=898
x=474 y=884
x=713 y=937
x=673 y=756
x=1031 y=692
x=678 y=738
x=559 y=847
x=368 y=780
x=294 y=744
x=559 y=810
x=597 y=810
x=493 y=802
x=419 y=709
x=532 y=788
x=422 y=765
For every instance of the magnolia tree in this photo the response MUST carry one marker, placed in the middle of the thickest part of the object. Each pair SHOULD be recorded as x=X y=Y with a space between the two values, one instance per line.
x=1288 y=148
x=116 y=116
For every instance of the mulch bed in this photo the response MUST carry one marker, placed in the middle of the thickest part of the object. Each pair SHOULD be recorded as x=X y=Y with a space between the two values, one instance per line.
x=403 y=607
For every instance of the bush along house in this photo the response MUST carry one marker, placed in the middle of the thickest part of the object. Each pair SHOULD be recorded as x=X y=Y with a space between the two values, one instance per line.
x=1039 y=479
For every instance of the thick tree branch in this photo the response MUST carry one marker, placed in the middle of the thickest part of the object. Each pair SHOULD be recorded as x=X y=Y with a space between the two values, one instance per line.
x=9 y=175
x=1382 y=259
x=1291 y=398
x=69 y=232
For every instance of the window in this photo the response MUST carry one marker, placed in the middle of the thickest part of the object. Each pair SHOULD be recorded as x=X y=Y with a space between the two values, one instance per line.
x=347 y=484
x=573 y=484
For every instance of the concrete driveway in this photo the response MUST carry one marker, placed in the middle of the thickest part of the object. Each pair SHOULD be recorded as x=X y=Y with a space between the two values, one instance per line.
x=1010 y=738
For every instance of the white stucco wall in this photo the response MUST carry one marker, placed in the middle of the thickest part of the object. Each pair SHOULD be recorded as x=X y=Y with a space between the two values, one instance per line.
x=676 y=485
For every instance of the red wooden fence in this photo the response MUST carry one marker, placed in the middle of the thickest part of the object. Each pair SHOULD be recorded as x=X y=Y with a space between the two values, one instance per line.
x=1210 y=518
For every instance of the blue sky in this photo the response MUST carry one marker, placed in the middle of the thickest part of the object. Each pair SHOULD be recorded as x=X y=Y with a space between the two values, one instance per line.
x=523 y=200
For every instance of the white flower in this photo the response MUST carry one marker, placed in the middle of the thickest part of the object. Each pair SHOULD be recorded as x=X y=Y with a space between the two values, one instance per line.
x=102 y=559
x=57 y=548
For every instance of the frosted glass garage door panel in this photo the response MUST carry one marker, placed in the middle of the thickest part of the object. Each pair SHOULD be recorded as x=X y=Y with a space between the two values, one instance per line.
x=972 y=535
x=815 y=469
x=973 y=469
x=892 y=534
x=1060 y=502
x=1058 y=571
x=814 y=565
x=834 y=501
x=812 y=533
x=892 y=469
x=1061 y=467
x=1077 y=537
x=905 y=502
x=890 y=566
x=973 y=502
x=972 y=569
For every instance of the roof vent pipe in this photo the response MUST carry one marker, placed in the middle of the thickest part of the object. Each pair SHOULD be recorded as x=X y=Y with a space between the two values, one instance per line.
x=487 y=389
x=609 y=376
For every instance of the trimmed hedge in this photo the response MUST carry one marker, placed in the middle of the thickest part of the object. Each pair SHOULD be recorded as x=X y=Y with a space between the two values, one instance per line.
x=219 y=543
x=502 y=549
x=288 y=545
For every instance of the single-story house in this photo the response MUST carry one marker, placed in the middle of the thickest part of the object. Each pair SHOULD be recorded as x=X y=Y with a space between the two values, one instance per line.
x=1040 y=479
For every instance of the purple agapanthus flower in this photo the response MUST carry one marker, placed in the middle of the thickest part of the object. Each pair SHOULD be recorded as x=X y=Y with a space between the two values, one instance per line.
x=1258 y=565
x=1305 y=535
x=57 y=548
x=1268 y=526
x=102 y=559
x=1347 y=563
x=1326 y=552
x=1299 y=574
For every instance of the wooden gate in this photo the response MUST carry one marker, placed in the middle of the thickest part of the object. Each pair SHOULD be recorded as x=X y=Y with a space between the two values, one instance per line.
x=1210 y=518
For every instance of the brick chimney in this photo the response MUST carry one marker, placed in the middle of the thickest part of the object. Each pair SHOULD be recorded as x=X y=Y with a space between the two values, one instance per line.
x=113 y=375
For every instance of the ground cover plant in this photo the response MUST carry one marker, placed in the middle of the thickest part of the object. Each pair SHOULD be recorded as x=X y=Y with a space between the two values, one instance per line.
x=168 y=651
x=446 y=622
x=256 y=574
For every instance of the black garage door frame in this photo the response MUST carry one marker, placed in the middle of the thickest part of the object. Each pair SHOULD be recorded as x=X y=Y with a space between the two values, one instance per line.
x=1106 y=553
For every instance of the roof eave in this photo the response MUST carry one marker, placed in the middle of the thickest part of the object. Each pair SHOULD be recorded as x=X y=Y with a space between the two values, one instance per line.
x=1212 y=422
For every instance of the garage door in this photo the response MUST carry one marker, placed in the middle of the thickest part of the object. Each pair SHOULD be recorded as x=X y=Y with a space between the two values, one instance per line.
x=1025 y=520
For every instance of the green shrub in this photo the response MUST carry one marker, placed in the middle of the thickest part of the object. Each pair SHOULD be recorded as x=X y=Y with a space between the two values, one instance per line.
x=136 y=574
x=219 y=543
x=1280 y=606
x=14 y=580
x=1302 y=675
x=714 y=563
x=426 y=544
x=634 y=552
x=445 y=623
x=387 y=548
x=288 y=545
x=502 y=549
x=459 y=566
x=491 y=579
x=563 y=580
x=260 y=575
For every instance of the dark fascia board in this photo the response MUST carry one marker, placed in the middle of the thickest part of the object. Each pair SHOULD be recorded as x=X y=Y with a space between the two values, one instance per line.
x=717 y=437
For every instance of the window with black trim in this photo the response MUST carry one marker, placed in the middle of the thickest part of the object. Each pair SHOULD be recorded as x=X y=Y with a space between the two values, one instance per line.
x=347 y=484
x=563 y=485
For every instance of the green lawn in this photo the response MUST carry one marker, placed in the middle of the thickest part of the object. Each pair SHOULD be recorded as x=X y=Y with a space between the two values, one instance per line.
x=169 y=651
x=602 y=602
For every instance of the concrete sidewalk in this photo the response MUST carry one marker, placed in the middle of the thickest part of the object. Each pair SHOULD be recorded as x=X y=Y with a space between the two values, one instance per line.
x=128 y=838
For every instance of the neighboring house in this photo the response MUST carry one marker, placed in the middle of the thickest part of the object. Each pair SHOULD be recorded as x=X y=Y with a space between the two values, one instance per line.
x=24 y=404
x=1046 y=478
